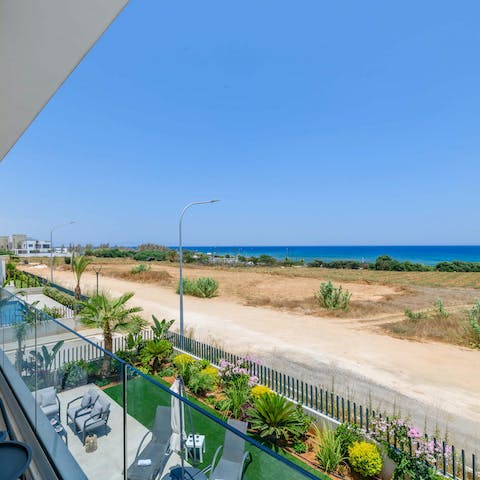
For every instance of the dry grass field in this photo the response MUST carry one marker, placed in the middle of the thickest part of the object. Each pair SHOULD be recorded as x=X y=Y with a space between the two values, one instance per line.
x=379 y=299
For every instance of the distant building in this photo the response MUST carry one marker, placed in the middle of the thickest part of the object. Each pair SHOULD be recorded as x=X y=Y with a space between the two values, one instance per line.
x=4 y=243
x=22 y=245
x=15 y=241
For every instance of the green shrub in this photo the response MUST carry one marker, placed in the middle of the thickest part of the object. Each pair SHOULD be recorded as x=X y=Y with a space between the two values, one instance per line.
x=60 y=297
x=73 y=374
x=347 y=434
x=275 y=418
x=110 y=252
x=304 y=422
x=340 y=264
x=332 y=297
x=388 y=264
x=457 y=266
x=67 y=260
x=237 y=397
x=20 y=279
x=203 y=287
x=167 y=372
x=440 y=309
x=140 y=269
x=329 y=452
x=414 y=316
x=183 y=362
x=54 y=312
x=201 y=380
x=299 y=447
x=259 y=390
x=365 y=459
x=207 y=287
x=473 y=326
x=149 y=255
x=101 y=382
x=128 y=356
x=155 y=354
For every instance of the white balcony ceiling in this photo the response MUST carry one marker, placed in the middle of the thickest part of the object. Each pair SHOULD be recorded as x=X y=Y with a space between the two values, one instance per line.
x=41 y=42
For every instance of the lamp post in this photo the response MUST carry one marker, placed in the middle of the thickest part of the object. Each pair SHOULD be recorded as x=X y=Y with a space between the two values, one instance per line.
x=97 y=272
x=51 y=245
x=180 y=251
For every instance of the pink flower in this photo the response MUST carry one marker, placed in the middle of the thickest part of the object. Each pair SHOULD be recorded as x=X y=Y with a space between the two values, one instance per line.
x=414 y=433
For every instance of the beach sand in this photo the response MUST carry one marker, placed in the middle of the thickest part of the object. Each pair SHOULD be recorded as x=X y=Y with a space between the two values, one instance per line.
x=436 y=385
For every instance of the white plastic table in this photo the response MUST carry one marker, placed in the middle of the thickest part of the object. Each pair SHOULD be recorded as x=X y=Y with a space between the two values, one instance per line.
x=199 y=443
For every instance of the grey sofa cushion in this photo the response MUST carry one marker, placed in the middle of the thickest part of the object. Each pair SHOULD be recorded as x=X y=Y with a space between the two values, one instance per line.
x=86 y=400
x=50 y=410
x=47 y=396
x=104 y=404
x=72 y=411
x=80 y=423
x=96 y=410
x=94 y=394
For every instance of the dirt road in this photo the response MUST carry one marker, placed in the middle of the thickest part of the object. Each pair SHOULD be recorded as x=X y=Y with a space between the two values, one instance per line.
x=437 y=385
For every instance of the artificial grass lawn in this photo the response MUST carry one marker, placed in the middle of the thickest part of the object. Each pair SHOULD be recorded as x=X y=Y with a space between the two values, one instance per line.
x=143 y=398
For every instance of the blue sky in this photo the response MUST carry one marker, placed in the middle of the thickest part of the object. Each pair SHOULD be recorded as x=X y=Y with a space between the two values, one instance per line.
x=314 y=122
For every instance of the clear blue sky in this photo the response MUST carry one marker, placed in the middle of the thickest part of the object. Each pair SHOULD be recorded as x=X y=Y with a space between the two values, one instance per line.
x=315 y=122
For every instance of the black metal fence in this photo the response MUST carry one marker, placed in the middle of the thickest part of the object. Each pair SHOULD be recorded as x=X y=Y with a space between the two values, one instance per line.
x=48 y=283
x=459 y=465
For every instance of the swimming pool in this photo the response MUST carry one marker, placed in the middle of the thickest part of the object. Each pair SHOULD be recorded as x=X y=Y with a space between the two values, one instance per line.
x=11 y=313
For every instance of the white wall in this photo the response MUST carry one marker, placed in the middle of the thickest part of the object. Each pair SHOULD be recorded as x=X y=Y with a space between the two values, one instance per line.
x=41 y=42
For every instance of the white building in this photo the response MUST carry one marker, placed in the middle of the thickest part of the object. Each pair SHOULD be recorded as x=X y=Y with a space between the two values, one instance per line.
x=22 y=245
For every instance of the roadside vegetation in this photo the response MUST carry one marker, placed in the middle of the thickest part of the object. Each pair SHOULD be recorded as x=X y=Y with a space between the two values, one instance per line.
x=333 y=298
x=203 y=287
x=460 y=326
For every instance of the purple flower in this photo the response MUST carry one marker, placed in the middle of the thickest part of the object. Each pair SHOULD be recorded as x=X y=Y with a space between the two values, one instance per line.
x=414 y=433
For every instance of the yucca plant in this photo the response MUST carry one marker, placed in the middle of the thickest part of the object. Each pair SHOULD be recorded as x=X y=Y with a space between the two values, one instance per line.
x=79 y=265
x=329 y=453
x=275 y=418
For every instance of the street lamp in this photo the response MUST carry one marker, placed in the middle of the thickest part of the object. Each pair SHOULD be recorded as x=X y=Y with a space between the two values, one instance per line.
x=180 y=251
x=97 y=272
x=51 y=245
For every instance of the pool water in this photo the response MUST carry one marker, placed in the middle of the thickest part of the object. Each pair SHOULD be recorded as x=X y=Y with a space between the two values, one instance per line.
x=11 y=313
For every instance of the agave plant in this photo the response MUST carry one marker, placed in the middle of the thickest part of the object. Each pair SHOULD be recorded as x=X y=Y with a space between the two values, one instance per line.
x=275 y=418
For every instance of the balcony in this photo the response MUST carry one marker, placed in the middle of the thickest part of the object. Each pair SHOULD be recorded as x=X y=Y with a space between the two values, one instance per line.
x=38 y=353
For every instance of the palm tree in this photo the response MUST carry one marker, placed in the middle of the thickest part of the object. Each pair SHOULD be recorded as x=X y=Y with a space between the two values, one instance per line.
x=79 y=264
x=109 y=314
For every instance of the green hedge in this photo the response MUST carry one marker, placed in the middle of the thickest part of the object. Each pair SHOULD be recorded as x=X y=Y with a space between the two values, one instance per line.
x=66 y=300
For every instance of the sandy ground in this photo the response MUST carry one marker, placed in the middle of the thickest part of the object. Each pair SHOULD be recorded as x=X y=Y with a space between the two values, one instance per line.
x=437 y=385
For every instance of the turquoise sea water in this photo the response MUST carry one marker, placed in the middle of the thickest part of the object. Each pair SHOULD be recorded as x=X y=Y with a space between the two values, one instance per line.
x=428 y=255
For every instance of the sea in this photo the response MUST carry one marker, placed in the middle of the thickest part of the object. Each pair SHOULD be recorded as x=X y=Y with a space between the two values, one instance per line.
x=428 y=255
